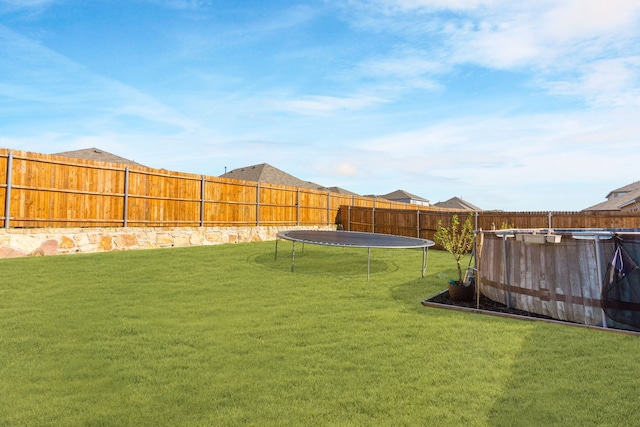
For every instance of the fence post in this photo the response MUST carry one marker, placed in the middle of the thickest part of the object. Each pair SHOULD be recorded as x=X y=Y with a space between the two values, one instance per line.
x=549 y=219
x=298 y=206
x=373 y=220
x=418 y=223
x=125 y=213
x=328 y=208
x=348 y=218
x=373 y=215
x=257 y=204
x=202 y=182
x=7 y=193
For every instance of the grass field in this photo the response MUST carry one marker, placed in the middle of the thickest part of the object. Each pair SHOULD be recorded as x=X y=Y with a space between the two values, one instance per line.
x=227 y=335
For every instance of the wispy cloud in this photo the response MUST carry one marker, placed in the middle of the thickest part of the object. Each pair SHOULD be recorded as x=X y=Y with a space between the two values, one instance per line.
x=530 y=150
x=541 y=34
x=323 y=105
x=403 y=71
x=44 y=79
x=202 y=40
x=24 y=4
x=548 y=39
x=603 y=83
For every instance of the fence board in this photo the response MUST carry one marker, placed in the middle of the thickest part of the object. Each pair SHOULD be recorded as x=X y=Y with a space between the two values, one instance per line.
x=229 y=202
x=47 y=192
x=163 y=198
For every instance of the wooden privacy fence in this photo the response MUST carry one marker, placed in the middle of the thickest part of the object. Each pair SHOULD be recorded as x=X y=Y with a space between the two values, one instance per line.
x=423 y=223
x=40 y=190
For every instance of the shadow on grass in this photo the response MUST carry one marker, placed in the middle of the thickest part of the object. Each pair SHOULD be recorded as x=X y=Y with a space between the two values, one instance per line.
x=314 y=260
x=561 y=374
x=412 y=293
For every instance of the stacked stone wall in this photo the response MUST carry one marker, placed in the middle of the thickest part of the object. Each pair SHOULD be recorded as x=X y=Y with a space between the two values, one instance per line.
x=20 y=242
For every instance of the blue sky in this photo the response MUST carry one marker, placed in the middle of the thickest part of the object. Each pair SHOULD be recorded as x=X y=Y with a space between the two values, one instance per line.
x=527 y=105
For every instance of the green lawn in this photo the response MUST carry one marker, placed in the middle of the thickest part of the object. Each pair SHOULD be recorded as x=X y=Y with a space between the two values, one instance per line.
x=226 y=335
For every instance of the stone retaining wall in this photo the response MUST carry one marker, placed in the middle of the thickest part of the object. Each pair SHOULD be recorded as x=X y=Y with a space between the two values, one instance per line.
x=20 y=242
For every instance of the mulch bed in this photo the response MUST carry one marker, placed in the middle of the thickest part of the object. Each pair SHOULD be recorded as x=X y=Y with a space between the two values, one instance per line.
x=486 y=304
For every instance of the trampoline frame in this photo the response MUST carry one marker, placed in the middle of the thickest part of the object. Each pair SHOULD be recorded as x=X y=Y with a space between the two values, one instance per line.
x=373 y=240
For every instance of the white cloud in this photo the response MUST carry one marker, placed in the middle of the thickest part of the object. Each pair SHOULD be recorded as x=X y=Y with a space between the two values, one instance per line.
x=607 y=82
x=543 y=34
x=583 y=49
x=410 y=5
x=345 y=169
x=324 y=105
x=579 y=19
x=503 y=45
x=528 y=150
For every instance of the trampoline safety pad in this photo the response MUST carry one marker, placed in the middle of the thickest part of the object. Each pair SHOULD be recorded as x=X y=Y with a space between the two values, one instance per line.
x=354 y=239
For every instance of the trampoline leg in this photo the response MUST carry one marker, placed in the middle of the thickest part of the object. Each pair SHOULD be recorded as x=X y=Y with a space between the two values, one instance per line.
x=276 y=255
x=293 y=254
x=424 y=260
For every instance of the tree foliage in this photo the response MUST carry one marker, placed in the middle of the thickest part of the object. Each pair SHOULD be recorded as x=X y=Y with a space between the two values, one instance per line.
x=456 y=239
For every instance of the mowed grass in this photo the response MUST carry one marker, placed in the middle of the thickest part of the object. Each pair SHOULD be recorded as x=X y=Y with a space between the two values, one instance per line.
x=227 y=335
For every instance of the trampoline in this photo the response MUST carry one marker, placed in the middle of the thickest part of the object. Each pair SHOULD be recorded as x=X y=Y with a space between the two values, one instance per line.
x=354 y=239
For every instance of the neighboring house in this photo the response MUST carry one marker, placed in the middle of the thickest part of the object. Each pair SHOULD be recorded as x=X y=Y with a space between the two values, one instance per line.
x=340 y=191
x=403 y=196
x=457 y=203
x=268 y=174
x=97 y=154
x=625 y=198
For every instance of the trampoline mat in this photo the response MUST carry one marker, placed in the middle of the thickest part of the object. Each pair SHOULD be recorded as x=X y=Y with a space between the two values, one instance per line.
x=354 y=239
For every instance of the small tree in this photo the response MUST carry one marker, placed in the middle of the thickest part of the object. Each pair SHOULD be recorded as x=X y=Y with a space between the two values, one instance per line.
x=456 y=239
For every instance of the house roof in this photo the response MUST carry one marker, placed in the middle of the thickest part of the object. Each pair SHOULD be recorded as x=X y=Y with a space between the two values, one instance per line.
x=402 y=195
x=617 y=203
x=635 y=186
x=629 y=194
x=269 y=174
x=457 y=203
x=340 y=191
x=97 y=154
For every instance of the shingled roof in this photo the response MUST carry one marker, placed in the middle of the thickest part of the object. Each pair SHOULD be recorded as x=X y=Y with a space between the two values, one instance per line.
x=619 y=199
x=403 y=196
x=268 y=174
x=457 y=203
x=97 y=154
x=340 y=191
